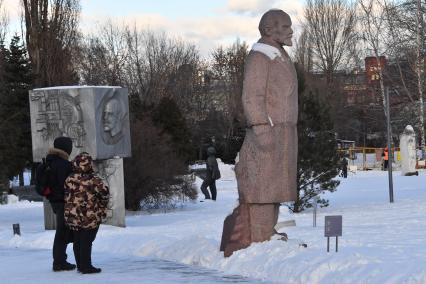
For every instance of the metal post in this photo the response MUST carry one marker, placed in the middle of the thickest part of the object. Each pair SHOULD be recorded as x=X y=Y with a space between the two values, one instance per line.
x=328 y=244
x=364 y=159
x=337 y=243
x=315 y=212
x=390 y=154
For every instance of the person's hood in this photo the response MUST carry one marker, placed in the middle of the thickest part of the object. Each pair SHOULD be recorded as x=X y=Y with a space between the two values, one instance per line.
x=82 y=163
x=53 y=153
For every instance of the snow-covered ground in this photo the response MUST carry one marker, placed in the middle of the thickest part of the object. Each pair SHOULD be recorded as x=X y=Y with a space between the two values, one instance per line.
x=381 y=242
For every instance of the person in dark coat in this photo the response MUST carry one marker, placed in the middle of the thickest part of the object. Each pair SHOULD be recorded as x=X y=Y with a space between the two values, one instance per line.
x=57 y=158
x=344 y=167
x=212 y=175
x=86 y=201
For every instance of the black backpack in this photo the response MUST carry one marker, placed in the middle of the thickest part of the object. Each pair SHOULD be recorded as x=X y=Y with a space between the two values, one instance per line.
x=43 y=177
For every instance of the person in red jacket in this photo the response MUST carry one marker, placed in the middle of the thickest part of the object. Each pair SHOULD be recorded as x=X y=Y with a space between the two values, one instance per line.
x=385 y=158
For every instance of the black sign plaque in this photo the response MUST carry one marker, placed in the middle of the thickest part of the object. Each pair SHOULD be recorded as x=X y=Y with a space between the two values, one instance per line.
x=333 y=226
x=16 y=229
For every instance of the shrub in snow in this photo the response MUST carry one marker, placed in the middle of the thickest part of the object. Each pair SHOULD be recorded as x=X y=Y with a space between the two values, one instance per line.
x=318 y=159
x=155 y=175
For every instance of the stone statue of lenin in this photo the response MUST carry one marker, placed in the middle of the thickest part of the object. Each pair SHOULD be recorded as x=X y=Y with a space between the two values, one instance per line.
x=266 y=171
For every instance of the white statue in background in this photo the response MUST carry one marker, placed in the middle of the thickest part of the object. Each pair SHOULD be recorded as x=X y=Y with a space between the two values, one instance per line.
x=407 y=146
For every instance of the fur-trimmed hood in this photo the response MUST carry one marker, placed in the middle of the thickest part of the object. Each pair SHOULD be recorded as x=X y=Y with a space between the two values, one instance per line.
x=58 y=152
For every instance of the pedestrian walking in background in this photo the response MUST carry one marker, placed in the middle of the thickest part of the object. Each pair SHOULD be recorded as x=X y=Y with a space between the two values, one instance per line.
x=86 y=201
x=344 y=166
x=385 y=158
x=212 y=175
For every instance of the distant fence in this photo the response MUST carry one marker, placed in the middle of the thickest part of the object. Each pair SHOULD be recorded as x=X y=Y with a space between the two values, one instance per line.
x=366 y=158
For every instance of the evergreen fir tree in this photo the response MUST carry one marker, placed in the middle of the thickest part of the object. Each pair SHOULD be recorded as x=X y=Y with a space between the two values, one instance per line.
x=4 y=181
x=318 y=159
x=168 y=117
x=15 y=127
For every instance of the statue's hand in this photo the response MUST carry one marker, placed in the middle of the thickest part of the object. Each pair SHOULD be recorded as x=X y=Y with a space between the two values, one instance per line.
x=263 y=136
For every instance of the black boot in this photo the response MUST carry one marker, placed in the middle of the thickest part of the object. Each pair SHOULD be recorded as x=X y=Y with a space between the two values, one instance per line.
x=91 y=270
x=66 y=266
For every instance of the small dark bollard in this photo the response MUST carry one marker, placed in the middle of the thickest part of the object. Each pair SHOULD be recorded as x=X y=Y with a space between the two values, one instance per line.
x=333 y=228
x=16 y=229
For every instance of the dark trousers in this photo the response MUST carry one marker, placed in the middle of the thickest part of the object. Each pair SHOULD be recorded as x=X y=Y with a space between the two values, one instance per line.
x=345 y=172
x=385 y=164
x=63 y=234
x=211 y=183
x=83 y=240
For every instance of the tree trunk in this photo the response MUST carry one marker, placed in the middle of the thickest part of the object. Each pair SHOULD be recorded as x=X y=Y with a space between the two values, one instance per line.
x=33 y=173
x=4 y=184
x=420 y=70
x=21 y=178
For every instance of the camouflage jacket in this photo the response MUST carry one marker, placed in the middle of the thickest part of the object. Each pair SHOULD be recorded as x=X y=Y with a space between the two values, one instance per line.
x=86 y=196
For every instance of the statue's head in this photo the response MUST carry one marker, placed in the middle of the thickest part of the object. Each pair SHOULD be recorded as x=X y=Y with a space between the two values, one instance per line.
x=275 y=25
x=112 y=117
x=409 y=130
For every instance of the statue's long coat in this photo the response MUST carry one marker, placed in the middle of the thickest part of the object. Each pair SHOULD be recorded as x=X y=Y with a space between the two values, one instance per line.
x=266 y=171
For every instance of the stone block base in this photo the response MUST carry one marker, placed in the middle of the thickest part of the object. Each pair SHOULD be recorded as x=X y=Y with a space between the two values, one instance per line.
x=248 y=223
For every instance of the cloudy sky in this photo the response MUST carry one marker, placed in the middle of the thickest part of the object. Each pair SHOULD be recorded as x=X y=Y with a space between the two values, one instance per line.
x=206 y=23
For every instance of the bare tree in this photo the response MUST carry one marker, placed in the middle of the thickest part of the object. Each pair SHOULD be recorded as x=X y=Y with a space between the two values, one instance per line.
x=406 y=43
x=156 y=59
x=51 y=28
x=151 y=65
x=330 y=25
x=395 y=45
x=420 y=70
x=228 y=71
x=4 y=21
x=303 y=53
x=373 y=29
x=104 y=56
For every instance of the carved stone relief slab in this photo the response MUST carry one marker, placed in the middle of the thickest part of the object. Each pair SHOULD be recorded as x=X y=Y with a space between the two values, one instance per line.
x=111 y=171
x=95 y=118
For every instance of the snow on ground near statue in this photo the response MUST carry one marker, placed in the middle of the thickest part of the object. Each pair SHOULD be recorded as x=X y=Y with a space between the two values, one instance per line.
x=381 y=242
x=33 y=266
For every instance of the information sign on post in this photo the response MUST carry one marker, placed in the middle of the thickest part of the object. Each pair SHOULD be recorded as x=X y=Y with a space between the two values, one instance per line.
x=333 y=228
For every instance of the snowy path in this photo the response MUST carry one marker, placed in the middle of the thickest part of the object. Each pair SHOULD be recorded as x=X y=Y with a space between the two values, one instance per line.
x=381 y=242
x=16 y=268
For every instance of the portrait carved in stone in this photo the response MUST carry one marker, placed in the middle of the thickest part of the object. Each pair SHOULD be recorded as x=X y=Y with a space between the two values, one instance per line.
x=114 y=118
x=94 y=117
